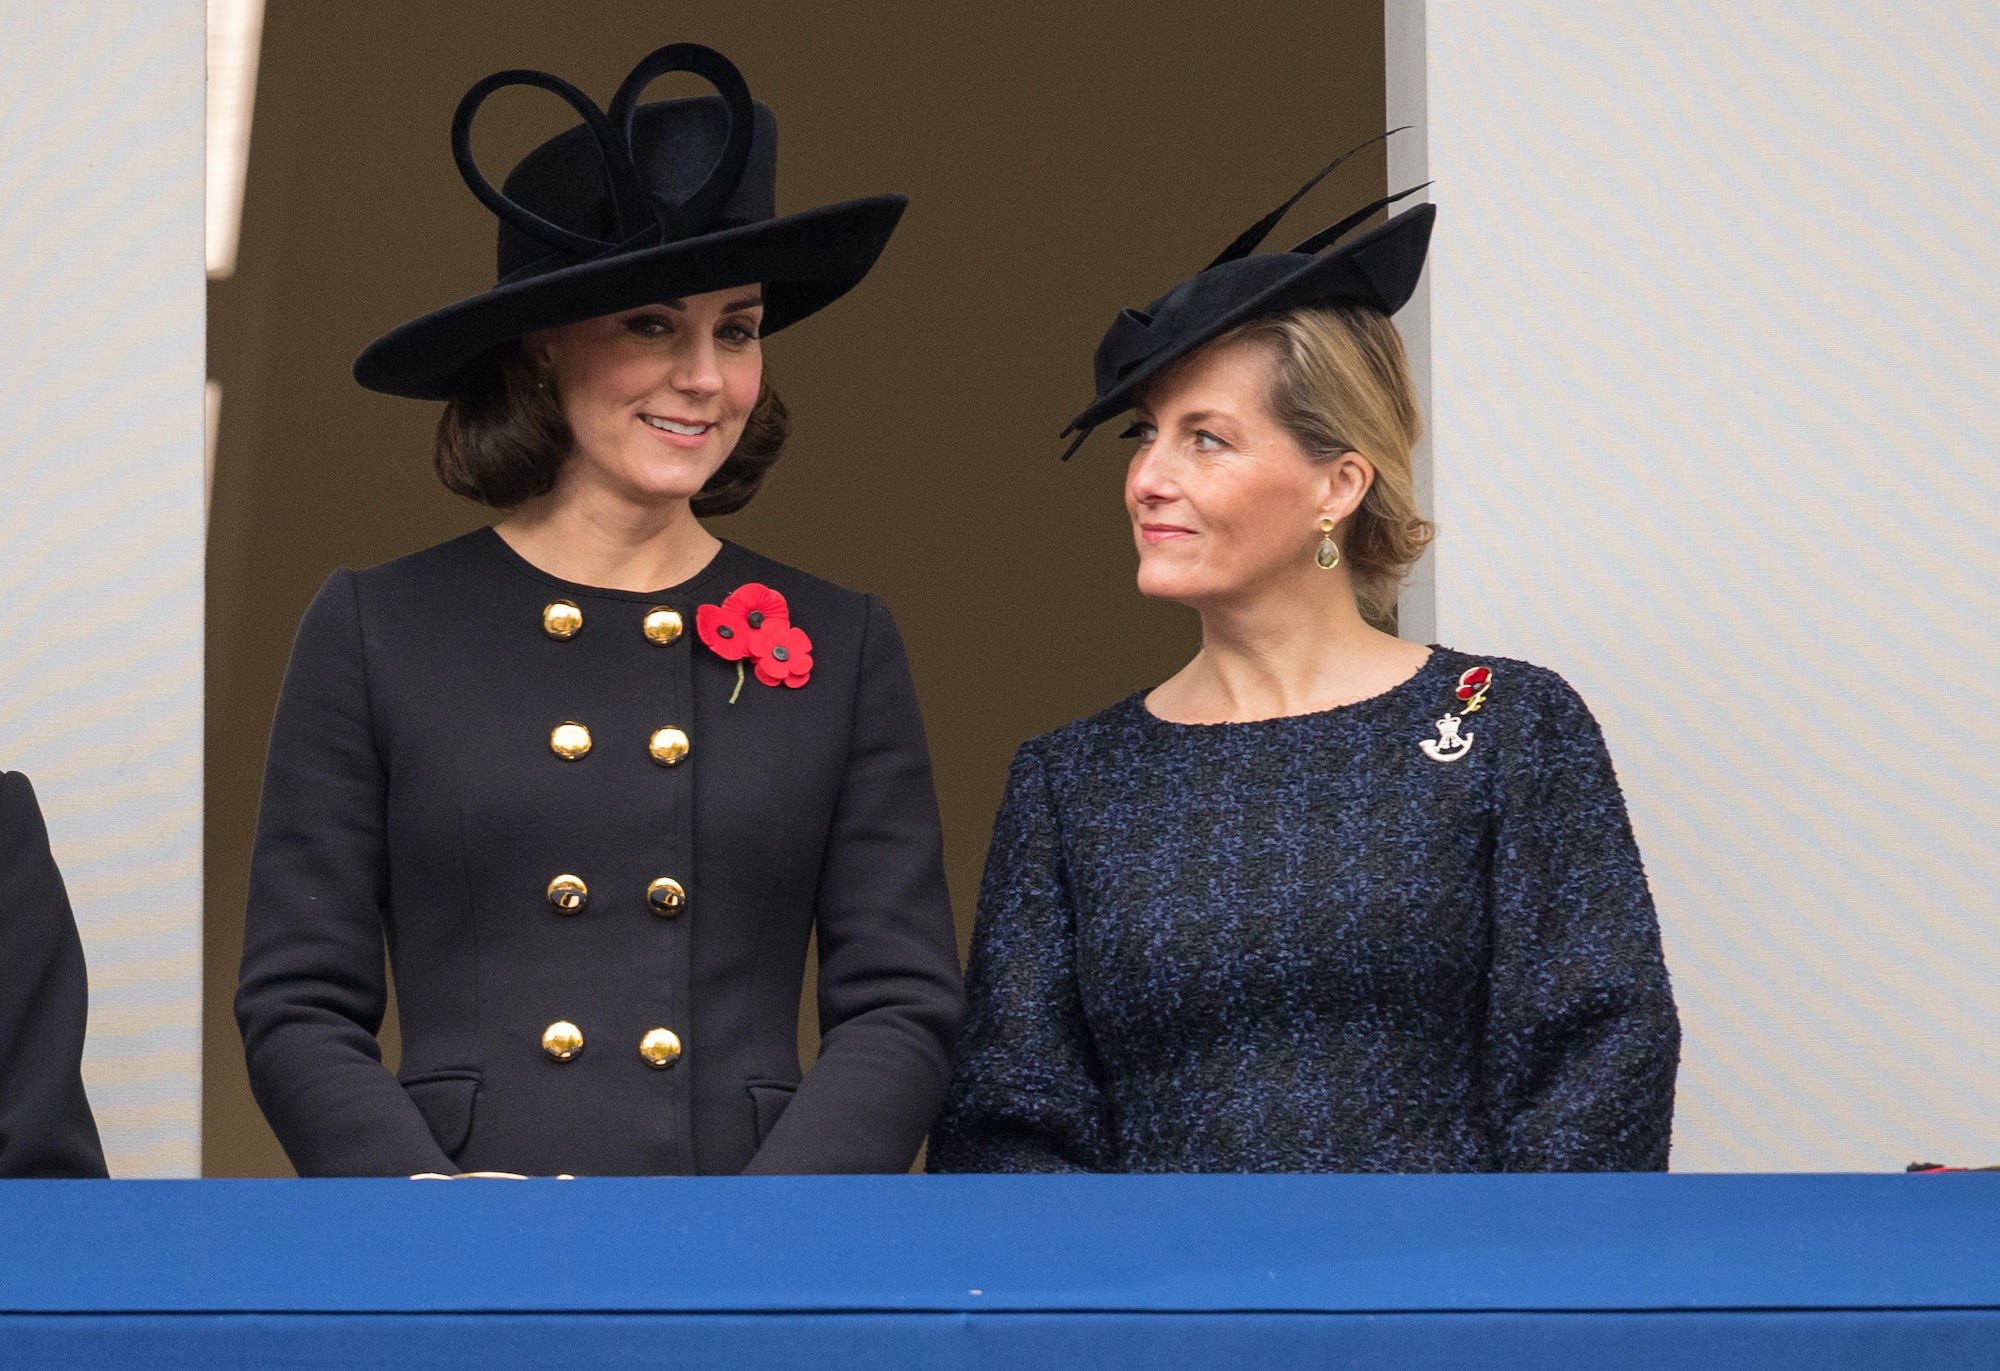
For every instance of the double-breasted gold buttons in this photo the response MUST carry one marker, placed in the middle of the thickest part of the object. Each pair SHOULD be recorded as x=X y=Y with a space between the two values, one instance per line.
x=562 y=620
x=569 y=740
x=660 y=1048
x=562 y=1040
x=666 y=895
x=568 y=894
x=668 y=746
x=662 y=625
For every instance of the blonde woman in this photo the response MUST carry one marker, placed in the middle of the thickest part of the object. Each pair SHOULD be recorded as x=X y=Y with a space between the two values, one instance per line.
x=1323 y=900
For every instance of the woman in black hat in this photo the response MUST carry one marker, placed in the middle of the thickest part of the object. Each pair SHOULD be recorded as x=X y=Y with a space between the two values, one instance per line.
x=595 y=775
x=1324 y=900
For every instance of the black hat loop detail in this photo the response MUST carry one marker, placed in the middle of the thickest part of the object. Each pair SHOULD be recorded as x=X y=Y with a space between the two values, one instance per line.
x=698 y=211
x=641 y=216
x=628 y=197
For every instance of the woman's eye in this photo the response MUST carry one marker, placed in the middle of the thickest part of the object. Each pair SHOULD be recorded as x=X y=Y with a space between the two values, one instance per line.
x=739 y=332
x=650 y=325
x=1143 y=432
x=1204 y=441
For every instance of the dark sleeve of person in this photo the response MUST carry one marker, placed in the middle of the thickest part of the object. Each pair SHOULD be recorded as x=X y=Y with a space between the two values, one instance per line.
x=46 y=1129
x=1026 y=1094
x=313 y=987
x=1583 y=1041
x=890 y=995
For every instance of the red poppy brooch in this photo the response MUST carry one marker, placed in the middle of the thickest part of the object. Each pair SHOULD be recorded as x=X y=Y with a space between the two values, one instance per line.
x=753 y=624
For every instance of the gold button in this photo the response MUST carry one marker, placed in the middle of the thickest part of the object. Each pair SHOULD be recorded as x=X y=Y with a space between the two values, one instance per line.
x=660 y=1048
x=666 y=896
x=662 y=625
x=569 y=740
x=561 y=619
x=567 y=894
x=562 y=1040
x=668 y=746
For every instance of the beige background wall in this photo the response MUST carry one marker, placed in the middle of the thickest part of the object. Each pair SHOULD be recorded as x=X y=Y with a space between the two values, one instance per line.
x=1063 y=160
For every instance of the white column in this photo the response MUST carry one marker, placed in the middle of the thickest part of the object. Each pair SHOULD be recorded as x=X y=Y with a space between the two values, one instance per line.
x=101 y=523
x=1715 y=323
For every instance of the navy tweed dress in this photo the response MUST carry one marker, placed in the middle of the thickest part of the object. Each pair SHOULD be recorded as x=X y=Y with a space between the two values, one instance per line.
x=1408 y=934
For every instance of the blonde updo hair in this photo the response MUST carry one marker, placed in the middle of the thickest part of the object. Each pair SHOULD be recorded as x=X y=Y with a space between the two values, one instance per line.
x=1340 y=382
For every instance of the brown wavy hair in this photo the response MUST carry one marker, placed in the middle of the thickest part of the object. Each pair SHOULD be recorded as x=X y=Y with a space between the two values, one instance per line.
x=503 y=437
x=1340 y=382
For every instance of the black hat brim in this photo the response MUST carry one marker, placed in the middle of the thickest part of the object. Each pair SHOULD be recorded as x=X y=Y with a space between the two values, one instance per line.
x=803 y=261
x=1379 y=269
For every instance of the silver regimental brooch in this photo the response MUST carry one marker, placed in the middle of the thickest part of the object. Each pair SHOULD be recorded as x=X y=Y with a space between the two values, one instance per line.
x=1450 y=744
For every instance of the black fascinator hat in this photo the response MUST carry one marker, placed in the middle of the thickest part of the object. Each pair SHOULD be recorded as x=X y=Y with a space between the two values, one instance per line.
x=639 y=203
x=1378 y=269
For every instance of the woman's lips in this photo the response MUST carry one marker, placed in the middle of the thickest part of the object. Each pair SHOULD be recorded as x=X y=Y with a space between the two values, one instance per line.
x=692 y=428
x=678 y=432
x=1164 y=533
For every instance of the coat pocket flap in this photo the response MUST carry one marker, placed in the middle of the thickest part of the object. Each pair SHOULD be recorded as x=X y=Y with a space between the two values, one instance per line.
x=769 y=1099
x=444 y=1098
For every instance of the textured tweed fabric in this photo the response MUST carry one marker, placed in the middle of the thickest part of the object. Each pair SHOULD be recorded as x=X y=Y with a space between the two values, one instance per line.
x=1310 y=944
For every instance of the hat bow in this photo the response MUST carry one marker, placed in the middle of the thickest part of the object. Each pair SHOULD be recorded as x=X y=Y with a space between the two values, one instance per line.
x=642 y=217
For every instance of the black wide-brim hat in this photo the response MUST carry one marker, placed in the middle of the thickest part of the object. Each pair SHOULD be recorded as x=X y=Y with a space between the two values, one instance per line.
x=1378 y=270
x=636 y=205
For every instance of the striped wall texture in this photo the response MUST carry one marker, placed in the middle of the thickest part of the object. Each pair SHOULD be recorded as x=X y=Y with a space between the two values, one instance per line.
x=101 y=522
x=1715 y=332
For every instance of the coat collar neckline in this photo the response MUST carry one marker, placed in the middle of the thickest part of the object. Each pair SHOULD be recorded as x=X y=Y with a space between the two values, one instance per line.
x=718 y=565
x=1433 y=667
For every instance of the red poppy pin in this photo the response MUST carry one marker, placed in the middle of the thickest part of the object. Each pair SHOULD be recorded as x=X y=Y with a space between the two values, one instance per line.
x=1472 y=687
x=754 y=624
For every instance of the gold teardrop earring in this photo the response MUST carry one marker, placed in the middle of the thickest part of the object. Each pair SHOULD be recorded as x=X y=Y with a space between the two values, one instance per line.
x=1328 y=555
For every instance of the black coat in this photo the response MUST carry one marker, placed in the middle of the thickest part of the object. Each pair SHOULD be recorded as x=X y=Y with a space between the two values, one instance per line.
x=46 y=1128
x=412 y=790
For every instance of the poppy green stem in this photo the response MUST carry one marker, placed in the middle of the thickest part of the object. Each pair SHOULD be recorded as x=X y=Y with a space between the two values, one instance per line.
x=739 y=683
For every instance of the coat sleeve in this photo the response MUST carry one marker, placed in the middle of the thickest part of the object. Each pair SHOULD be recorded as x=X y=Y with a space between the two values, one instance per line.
x=1582 y=1039
x=313 y=986
x=1026 y=1094
x=46 y=1128
x=890 y=995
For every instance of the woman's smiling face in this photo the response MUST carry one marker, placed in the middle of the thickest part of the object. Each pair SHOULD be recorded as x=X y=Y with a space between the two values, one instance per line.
x=1223 y=501
x=657 y=396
